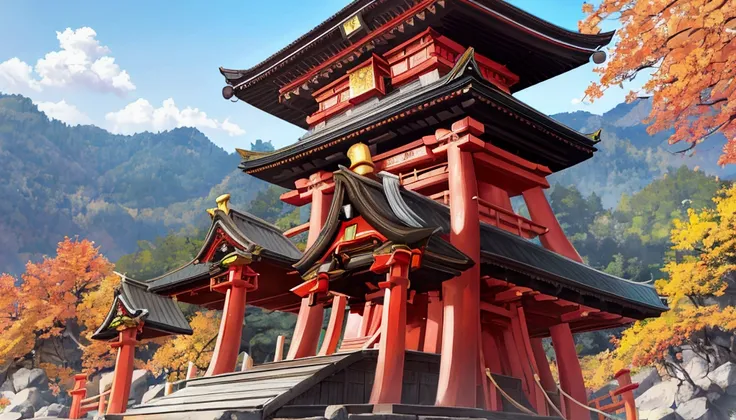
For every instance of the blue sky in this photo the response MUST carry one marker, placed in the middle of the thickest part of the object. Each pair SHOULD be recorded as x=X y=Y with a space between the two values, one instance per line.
x=166 y=58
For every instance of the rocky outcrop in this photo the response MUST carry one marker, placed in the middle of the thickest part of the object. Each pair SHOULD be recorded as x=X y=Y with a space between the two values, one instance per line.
x=30 y=378
x=646 y=378
x=138 y=386
x=154 y=391
x=698 y=409
x=661 y=395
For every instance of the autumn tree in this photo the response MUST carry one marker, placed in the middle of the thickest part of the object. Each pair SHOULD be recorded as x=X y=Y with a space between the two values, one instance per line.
x=43 y=315
x=174 y=355
x=687 y=49
x=696 y=283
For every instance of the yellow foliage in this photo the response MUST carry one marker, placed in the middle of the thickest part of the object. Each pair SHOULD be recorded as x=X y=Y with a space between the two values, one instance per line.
x=174 y=355
x=687 y=48
x=710 y=235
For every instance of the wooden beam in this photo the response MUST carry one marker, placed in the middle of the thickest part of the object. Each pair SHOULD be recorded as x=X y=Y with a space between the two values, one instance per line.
x=496 y=310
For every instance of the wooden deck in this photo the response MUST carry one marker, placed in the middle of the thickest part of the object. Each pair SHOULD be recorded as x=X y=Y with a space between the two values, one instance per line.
x=304 y=388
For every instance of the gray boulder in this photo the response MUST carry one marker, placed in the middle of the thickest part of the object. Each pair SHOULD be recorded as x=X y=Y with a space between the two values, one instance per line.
x=697 y=368
x=58 y=410
x=659 y=414
x=93 y=386
x=685 y=393
x=698 y=409
x=7 y=394
x=30 y=378
x=43 y=412
x=139 y=384
x=29 y=396
x=646 y=378
x=725 y=377
x=661 y=395
x=7 y=386
x=153 y=392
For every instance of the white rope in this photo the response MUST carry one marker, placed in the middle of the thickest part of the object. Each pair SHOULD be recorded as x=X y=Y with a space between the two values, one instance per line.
x=569 y=397
x=546 y=397
x=508 y=398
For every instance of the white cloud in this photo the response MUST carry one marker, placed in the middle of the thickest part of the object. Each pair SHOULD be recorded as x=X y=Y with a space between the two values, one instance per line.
x=575 y=101
x=17 y=77
x=64 y=112
x=141 y=116
x=81 y=62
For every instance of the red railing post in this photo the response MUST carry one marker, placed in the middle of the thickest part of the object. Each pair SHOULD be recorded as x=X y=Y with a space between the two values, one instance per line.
x=78 y=394
x=625 y=390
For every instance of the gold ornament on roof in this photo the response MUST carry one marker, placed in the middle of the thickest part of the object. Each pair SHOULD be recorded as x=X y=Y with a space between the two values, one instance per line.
x=222 y=203
x=360 y=159
x=351 y=25
x=361 y=81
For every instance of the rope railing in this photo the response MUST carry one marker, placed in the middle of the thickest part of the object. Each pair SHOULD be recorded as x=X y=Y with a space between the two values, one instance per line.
x=513 y=402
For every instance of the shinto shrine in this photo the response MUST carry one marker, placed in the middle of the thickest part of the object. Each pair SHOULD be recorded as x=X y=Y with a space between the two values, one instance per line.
x=441 y=294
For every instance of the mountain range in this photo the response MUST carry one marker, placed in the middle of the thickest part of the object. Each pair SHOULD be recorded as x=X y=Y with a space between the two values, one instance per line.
x=57 y=180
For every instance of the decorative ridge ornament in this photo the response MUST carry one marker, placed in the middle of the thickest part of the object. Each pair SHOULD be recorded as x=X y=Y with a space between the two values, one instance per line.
x=595 y=136
x=222 y=203
x=360 y=159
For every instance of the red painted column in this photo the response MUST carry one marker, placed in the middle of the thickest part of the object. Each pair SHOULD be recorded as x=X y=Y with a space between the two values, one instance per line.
x=541 y=212
x=309 y=321
x=123 y=375
x=571 y=376
x=227 y=347
x=334 y=327
x=491 y=357
x=545 y=373
x=433 y=327
x=416 y=316
x=78 y=393
x=536 y=396
x=355 y=320
x=390 y=366
x=459 y=363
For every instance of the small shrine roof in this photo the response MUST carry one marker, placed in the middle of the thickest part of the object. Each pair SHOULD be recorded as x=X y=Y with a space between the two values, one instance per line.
x=532 y=48
x=253 y=234
x=504 y=250
x=385 y=212
x=419 y=107
x=160 y=315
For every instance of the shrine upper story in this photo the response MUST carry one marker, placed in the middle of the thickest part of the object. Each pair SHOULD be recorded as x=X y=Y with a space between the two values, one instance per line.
x=381 y=72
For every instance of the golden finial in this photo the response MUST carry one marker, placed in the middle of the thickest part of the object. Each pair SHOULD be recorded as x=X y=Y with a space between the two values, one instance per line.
x=360 y=159
x=211 y=212
x=222 y=203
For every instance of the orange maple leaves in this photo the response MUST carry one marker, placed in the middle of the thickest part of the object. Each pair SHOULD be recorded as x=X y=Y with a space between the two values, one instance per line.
x=688 y=49
x=48 y=302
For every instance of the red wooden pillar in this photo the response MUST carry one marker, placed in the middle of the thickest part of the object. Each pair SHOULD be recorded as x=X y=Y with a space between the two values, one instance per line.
x=491 y=357
x=390 y=366
x=571 y=376
x=334 y=328
x=309 y=321
x=78 y=393
x=240 y=279
x=545 y=373
x=355 y=320
x=459 y=363
x=433 y=326
x=123 y=375
x=536 y=396
x=541 y=212
x=416 y=315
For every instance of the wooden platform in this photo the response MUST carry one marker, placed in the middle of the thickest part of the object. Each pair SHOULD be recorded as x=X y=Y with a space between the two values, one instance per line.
x=305 y=388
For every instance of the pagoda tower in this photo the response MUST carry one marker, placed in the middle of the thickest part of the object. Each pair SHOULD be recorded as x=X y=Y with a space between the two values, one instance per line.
x=441 y=294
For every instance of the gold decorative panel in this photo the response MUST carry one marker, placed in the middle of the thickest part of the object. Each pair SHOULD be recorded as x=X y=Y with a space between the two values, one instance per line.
x=362 y=80
x=350 y=232
x=351 y=25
